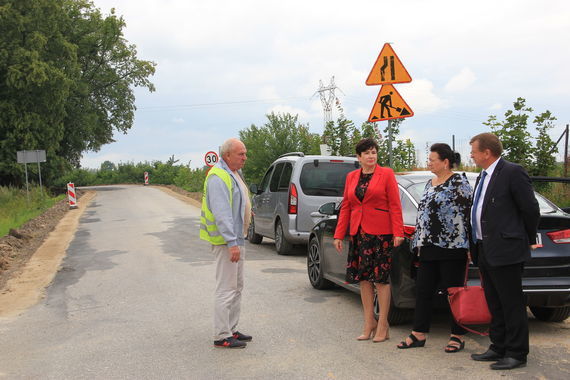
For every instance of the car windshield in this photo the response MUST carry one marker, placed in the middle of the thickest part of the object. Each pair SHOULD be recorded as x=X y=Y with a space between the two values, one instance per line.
x=546 y=207
x=325 y=179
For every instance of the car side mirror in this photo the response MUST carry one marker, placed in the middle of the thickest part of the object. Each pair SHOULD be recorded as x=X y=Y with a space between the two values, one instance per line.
x=253 y=188
x=328 y=208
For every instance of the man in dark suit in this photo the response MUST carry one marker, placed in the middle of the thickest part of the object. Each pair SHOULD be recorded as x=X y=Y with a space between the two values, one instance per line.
x=504 y=221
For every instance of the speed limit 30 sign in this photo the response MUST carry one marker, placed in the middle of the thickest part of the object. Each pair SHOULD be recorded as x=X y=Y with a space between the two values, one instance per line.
x=211 y=158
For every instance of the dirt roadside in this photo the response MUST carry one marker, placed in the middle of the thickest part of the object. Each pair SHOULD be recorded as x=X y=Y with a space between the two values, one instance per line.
x=30 y=257
x=34 y=260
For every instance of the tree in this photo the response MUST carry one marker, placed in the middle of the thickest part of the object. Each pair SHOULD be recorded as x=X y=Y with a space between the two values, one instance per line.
x=282 y=133
x=513 y=133
x=67 y=75
x=108 y=166
x=403 y=151
x=545 y=149
x=538 y=158
x=342 y=136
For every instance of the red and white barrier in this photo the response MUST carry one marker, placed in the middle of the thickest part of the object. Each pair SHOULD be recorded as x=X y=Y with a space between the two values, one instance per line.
x=71 y=195
x=145 y=178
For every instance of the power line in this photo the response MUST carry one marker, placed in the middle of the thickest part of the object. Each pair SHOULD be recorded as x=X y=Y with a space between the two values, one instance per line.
x=229 y=103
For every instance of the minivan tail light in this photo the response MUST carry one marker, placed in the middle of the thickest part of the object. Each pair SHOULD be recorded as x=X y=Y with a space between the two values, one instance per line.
x=292 y=199
x=560 y=237
x=336 y=160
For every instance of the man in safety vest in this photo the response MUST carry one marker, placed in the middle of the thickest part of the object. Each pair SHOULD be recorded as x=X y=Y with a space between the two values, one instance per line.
x=226 y=212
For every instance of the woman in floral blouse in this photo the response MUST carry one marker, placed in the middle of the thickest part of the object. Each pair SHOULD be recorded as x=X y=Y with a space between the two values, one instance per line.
x=441 y=240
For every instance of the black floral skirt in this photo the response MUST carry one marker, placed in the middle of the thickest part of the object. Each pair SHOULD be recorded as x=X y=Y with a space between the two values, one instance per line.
x=369 y=258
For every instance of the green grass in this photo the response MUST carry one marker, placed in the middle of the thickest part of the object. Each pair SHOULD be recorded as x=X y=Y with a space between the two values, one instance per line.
x=15 y=210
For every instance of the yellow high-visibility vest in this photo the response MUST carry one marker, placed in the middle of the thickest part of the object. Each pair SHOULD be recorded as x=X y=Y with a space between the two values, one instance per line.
x=208 y=228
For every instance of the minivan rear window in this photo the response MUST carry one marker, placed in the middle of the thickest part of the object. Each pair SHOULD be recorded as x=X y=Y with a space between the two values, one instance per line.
x=326 y=179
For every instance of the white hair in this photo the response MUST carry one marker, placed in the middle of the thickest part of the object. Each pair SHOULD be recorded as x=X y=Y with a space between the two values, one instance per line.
x=228 y=145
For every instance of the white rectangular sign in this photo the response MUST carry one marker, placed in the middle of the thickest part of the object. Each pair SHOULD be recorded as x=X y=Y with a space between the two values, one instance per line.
x=28 y=156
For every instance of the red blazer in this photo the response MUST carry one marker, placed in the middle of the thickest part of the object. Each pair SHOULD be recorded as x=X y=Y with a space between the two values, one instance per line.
x=379 y=213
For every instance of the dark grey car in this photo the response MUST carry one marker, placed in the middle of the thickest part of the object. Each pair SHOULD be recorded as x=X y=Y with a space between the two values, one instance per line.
x=546 y=278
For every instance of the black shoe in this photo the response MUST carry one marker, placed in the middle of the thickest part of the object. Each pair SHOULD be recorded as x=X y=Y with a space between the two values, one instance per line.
x=415 y=343
x=508 y=363
x=487 y=356
x=230 y=342
x=244 y=338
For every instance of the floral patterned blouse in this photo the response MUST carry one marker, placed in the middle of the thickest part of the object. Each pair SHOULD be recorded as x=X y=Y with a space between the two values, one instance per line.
x=443 y=214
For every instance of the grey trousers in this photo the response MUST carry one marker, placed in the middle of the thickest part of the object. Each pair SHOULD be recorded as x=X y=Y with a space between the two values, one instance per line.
x=229 y=284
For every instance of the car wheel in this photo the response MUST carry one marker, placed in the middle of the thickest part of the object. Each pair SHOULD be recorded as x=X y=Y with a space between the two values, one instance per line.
x=251 y=235
x=314 y=267
x=551 y=314
x=281 y=244
x=396 y=315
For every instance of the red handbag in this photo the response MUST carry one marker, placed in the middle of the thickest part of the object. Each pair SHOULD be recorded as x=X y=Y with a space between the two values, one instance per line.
x=468 y=305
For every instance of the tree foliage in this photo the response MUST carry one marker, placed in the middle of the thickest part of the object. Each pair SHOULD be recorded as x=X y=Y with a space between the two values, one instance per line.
x=67 y=76
x=538 y=158
x=403 y=150
x=282 y=133
x=340 y=136
x=513 y=133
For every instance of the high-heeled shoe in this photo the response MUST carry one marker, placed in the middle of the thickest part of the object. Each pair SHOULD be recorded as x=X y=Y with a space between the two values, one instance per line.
x=366 y=336
x=383 y=338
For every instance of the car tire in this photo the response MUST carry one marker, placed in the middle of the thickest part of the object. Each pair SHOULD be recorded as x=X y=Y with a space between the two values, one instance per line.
x=251 y=235
x=314 y=266
x=396 y=315
x=551 y=314
x=281 y=244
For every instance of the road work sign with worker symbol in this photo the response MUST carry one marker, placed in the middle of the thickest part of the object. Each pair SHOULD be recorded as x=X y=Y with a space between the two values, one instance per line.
x=388 y=69
x=389 y=105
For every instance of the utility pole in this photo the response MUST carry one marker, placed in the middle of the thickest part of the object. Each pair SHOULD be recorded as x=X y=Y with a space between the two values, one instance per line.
x=565 y=135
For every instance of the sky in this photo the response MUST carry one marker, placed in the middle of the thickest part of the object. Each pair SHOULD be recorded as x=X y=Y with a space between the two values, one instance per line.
x=223 y=65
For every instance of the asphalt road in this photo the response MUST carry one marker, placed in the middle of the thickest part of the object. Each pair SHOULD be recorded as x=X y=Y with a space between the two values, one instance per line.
x=133 y=299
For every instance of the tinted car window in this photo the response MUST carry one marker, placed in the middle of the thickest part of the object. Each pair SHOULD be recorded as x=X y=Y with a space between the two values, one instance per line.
x=326 y=179
x=409 y=211
x=275 y=177
x=285 y=177
x=265 y=181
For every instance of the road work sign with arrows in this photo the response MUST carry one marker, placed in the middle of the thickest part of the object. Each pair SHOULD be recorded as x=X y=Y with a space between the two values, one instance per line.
x=388 y=69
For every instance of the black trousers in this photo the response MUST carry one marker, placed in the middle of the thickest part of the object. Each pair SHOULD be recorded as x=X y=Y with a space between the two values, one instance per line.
x=432 y=276
x=506 y=301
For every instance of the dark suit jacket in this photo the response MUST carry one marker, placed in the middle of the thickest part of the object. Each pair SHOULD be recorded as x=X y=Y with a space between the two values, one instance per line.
x=379 y=213
x=509 y=217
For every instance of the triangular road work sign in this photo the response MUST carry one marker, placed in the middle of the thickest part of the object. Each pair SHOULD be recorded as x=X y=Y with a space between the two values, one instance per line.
x=388 y=69
x=389 y=105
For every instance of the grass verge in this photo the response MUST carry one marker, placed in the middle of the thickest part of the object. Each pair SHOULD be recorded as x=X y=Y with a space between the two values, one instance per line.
x=15 y=210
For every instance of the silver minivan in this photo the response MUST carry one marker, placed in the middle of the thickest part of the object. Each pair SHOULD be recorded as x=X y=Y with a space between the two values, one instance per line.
x=284 y=204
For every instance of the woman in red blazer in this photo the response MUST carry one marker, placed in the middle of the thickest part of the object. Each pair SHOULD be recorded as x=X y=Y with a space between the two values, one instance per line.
x=372 y=215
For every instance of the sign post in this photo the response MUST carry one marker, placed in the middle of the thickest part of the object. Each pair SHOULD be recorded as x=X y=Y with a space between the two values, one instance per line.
x=389 y=104
x=30 y=156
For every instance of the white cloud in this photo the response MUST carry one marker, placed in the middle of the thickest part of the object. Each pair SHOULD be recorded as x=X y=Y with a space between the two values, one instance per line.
x=461 y=81
x=283 y=109
x=420 y=96
x=231 y=53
